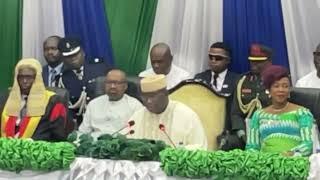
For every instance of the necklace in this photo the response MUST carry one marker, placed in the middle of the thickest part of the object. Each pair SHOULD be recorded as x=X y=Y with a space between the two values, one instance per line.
x=281 y=109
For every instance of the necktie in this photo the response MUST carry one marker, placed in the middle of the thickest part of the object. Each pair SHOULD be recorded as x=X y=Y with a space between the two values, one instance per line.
x=23 y=113
x=215 y=77
x=53 y=77
x=23 y=110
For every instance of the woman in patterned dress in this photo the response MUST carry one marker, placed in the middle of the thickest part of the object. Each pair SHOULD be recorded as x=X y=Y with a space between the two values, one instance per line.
x=282 y=127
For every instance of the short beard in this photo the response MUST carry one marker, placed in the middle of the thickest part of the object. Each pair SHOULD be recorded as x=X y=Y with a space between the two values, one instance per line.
x=54 y=64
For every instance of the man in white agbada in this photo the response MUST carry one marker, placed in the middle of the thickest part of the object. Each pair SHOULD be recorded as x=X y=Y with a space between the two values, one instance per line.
x=109 y=112
x=181 y=123
x=312 y=80
x=161 y=62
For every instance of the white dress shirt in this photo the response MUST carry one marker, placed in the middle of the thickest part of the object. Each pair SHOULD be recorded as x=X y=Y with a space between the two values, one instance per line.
x=220 y=80
x=310 y=80
x=106 y=117
x=58 y=70
x=174 y=77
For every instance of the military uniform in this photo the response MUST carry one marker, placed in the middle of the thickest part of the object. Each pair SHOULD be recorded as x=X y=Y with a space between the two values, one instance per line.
x=81 y=82
x=250 y=95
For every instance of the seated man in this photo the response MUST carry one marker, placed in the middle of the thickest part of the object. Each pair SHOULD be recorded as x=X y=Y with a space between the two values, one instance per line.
x=219 y=77
x=31 y=111
x=161 y=62
x=52 y=55
x=108 y=113
x=250 y=94
x=164 y=119
x=312 y=80
x=78 y=75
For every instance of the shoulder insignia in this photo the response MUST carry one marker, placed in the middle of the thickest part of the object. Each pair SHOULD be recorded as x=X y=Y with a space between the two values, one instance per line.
x=246 y=91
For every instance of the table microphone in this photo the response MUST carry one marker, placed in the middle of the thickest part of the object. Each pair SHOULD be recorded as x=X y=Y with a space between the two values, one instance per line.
x=128 y=125
x=130 y=132
x=163 y=129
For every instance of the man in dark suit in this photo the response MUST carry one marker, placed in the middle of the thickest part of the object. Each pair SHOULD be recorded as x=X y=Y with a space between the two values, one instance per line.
x=52 y=55
x=79 y=75
x=218 y=77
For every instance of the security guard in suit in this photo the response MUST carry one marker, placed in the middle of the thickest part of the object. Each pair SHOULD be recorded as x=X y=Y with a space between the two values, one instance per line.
x=250 y=94
x=219 y=77
x=78 y=75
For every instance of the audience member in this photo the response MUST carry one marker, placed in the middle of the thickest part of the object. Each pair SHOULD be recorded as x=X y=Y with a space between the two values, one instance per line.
x=161 y=62
x=52 y=55
x=78 y=75
x=218 y=77
x=250 y=93
x=164 y=119
x=281 y=127
x=108 y=113
x=312 y=80
x=31 y=111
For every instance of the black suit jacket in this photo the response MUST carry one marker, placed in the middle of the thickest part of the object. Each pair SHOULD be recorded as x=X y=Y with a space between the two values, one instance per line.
x=45 y=74
x=227 y=90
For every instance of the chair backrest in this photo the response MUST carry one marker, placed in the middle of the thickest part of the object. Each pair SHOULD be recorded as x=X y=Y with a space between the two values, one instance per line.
x=61 y=92
x=133 y=86
x=209 y=106
x=309 y=98
x=3 y=98
x=64 y=96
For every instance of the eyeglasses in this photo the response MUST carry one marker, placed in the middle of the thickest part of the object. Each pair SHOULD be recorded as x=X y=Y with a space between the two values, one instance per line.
x=117 y=83
x=316 y=53
x=216 y=57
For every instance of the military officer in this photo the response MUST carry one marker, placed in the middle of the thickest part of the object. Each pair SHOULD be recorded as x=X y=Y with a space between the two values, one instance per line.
x=79 y=74
x=250 y=93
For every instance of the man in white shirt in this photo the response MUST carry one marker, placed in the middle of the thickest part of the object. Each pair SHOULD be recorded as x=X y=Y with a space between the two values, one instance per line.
x=161 y=62
x=312 y=80
x=52 y=55
x=165 y=119
x=108 y=113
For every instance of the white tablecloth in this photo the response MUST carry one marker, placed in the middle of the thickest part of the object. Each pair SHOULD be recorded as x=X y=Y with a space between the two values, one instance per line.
x=34 y=175
x=105 y=169
x=314 y=173
x=95 y=169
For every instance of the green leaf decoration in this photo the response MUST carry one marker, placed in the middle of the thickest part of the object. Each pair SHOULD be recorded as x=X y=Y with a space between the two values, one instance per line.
x=118 y=148
x=22 y=154
x=233 y=164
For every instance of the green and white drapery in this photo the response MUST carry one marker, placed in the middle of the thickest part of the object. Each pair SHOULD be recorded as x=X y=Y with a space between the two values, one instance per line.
x=188 y=26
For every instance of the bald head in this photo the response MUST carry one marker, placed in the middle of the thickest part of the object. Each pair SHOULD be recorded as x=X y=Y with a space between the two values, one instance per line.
x=161 y=58
x=117 y=72
x=115 y=84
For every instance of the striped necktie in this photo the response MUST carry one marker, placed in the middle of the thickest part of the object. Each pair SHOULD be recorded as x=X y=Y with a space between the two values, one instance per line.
x=53 y=77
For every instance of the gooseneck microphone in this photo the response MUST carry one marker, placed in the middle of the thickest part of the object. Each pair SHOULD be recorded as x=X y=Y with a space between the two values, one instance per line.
x=163 y=129
x=130 y=132
x=128 y=125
